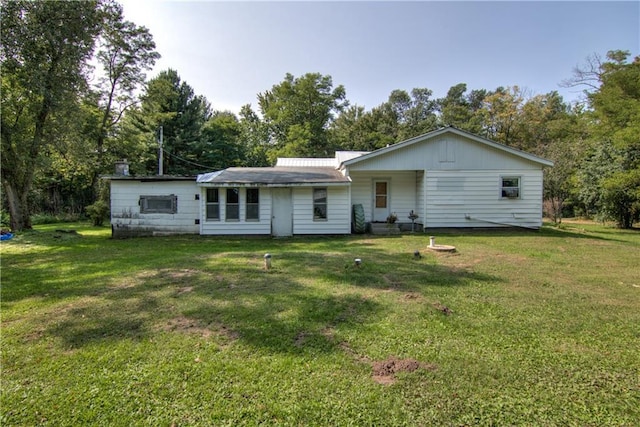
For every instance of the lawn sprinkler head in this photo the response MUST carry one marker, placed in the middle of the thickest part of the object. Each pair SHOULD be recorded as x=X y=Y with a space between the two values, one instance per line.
x=357 y=262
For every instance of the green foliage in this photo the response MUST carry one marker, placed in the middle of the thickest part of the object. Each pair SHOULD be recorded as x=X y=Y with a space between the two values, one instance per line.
x=5 y=219
x=126 y=52
x=98 y=212
x=621 y=197
x=613 y=179
x=302 y=107
x=173 y=105
x=461 y=110
x=254 y=135
x=45 y=48
x=219 y=146
x=46 y=218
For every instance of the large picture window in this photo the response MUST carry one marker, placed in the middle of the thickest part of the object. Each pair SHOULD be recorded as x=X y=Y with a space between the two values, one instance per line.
x=158 y=204
x=510 y=187
x=213 y=204
x=253 y=204
x=319 y=204
x=233 y=204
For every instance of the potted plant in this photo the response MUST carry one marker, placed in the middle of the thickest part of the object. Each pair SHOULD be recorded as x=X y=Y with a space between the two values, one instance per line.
x=392 y=218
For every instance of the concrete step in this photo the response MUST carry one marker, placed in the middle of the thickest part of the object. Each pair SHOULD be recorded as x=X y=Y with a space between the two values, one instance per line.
x=384 y=228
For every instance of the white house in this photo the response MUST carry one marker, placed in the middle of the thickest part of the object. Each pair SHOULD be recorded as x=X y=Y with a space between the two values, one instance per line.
x=448 y=178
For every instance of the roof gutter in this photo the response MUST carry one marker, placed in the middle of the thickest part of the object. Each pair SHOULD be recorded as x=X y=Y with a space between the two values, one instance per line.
x=273 y=185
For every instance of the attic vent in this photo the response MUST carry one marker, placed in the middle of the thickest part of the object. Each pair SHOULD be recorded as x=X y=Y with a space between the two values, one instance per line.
x=446 y=152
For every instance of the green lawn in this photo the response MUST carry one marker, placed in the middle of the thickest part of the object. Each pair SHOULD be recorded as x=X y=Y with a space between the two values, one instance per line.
x=515 y=328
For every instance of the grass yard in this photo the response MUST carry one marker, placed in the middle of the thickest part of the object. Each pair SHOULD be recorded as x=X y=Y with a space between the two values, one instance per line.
x=515 y=328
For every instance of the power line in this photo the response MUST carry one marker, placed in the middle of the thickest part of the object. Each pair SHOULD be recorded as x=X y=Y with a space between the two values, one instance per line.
x=188 y=161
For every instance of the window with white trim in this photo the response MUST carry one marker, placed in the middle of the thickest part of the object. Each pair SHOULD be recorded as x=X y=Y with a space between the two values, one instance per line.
x=233 y=204
x=252 y=212
x=158 y=204
x=213 y=204
x=319 y=204
x=510 y=187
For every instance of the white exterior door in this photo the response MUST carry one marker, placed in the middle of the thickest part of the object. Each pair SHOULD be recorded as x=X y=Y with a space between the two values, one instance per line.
x=380 y=200
x=281 y=212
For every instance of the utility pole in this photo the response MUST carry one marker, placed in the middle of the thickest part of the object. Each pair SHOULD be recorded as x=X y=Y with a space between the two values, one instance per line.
x=160 y=154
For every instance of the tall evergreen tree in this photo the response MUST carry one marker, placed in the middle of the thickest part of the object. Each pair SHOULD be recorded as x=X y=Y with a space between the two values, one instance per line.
x=171 y=111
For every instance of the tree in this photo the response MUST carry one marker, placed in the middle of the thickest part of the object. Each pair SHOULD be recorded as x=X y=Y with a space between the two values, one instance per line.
x=45 y=48
x=617 y=109
x=219 y=146
x=171 y=104
x=609 y=176
x=254 y=134
x=460 y=110
x=500 y=113
x=298 y=112
x=125 y=52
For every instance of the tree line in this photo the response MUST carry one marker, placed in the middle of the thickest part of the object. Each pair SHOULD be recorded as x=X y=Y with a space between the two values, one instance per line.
x=76 y=98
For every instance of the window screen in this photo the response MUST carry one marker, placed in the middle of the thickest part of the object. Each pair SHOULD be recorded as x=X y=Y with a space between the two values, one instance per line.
x=158 y=204
x=253 y=204
x=319 y=204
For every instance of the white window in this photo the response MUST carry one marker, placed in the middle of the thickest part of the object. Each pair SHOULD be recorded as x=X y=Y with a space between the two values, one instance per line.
x=233 y=204
x=213 y=204
x=158 y=204
x=319 y=204
x=253 y=204
x=510 y=187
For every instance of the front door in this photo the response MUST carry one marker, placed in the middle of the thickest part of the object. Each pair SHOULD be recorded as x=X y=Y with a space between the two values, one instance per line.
x=380 y=200
x=281 y=212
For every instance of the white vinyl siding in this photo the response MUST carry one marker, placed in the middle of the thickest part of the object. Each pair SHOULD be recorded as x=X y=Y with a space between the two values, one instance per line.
x=126 y=214
x=473 y=199
x=240 y=226
x=402 y=192
x=420 y=197
x=445 y=152
x=338 y=211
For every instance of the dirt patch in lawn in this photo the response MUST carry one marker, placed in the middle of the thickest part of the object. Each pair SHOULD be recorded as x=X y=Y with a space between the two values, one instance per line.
x=185 y=325
x=384 y=372
x=412 y=296
x=442 y=308
x=181 y=324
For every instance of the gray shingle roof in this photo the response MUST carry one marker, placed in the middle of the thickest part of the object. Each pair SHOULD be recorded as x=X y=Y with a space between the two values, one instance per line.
x=275 y=176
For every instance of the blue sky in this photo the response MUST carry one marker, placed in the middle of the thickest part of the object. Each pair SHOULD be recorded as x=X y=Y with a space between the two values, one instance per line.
x=231 y=51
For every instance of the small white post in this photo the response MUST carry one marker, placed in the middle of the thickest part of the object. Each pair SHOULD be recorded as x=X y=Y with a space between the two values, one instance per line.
x=267 y=261
x=432 y=241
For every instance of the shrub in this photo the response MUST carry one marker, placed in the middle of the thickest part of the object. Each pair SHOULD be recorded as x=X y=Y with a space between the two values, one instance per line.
x=98 y=212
